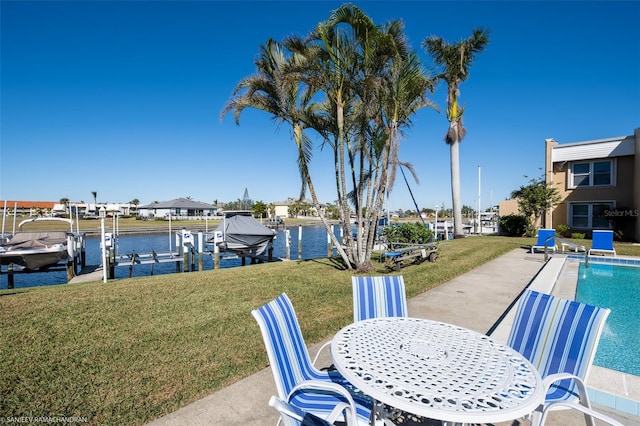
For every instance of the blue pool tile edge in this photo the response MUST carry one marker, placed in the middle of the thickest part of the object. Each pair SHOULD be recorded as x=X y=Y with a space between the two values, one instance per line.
x=612 y=260
x=616 y=402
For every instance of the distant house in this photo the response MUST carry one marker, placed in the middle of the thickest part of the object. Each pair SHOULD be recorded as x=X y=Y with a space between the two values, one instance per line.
x=599 y=183
x=282 y=208
x=92 y=210
x=180 y=208
x=81 y=209
x=29 y=208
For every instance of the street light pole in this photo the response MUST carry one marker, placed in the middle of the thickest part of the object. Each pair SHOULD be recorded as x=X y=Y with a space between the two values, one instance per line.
x=435 y=227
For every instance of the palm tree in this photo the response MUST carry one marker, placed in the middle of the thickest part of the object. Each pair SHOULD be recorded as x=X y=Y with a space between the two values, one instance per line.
x=336 y=82
x=455 y=60
x=276 y=91
x=65 y=202
x=374 y=84
x=135 y=203
x=95 y=201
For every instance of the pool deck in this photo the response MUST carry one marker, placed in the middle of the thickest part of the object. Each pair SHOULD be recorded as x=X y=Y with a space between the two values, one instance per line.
x=474 y=300
x=612 y=388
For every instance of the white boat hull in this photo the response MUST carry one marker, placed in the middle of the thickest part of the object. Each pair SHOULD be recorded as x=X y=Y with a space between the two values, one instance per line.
x=36 y=249
x=34 y=258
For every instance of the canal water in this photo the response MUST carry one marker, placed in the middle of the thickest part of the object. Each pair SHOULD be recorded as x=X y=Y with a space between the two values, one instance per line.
x=314 y=245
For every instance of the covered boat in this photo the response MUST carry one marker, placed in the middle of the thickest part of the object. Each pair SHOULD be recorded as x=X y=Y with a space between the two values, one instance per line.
x=35 y=249
x=241 y=233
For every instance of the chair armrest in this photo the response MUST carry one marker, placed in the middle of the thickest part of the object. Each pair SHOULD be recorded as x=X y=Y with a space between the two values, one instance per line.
x=349 y=407
x=552 y=378
x=582 y=388
x=579 y=407
x=299 y=416
x=315 y=358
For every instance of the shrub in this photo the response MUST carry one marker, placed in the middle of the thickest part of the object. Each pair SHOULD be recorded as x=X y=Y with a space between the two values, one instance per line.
x=578 y=235
x=563 y=230
x=407 y=233
x=514 y=225
x=531 y=231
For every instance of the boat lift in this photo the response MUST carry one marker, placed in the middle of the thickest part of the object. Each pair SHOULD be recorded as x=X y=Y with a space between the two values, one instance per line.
x=75 y=252
x=186 y=253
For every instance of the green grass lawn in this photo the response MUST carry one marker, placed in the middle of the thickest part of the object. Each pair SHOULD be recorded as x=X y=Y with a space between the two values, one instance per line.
x=132 y=350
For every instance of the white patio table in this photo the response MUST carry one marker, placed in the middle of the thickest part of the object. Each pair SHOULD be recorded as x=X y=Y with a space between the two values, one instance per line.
x=437 y=370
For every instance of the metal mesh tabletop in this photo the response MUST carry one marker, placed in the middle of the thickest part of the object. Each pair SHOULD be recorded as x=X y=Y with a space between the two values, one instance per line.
x=437 y=370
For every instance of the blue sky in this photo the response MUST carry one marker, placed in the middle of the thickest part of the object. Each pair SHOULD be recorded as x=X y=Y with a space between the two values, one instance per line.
x=124 y=98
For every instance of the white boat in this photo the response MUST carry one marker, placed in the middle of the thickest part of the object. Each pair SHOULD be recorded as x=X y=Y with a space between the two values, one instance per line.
x=36 y=249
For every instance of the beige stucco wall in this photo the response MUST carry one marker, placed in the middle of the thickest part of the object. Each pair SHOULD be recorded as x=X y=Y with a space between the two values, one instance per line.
x=282 y=211
x=635 y=178
x=508 y=207
x=621 y=194
x=625 y=193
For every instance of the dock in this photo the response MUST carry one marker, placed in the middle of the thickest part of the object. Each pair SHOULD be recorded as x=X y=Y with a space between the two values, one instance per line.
x=87 y=274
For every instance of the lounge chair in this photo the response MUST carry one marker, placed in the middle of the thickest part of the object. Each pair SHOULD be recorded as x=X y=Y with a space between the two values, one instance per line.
x=602 y=242
x=545 y=236
x=325 y=394
x=559 y=337
x=380 y=296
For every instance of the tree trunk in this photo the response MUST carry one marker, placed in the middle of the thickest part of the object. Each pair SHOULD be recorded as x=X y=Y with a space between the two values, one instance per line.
x=455 y=188
x=348 y=254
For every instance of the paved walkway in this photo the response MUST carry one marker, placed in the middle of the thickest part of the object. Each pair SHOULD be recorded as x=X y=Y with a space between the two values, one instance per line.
x=474 y=300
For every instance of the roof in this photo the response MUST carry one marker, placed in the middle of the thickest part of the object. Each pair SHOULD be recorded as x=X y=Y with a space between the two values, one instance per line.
x=603 y=148
x=30 y=204
x=183 y=203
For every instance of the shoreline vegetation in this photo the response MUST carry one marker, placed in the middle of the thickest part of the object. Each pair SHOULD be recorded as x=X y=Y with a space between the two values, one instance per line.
x=132 y=350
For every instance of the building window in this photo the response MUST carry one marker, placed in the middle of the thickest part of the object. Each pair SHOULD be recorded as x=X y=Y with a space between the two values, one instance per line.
x=589 y=215
x=591 y=173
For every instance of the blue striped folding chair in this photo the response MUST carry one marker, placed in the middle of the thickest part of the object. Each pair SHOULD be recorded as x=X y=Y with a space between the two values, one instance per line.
x=559 y=337
x=378 y=297
x=325 y=394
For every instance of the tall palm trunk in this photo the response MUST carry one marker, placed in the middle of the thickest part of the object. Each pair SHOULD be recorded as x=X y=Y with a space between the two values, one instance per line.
x=454 y=149
x=347 y=256
x=456 y=60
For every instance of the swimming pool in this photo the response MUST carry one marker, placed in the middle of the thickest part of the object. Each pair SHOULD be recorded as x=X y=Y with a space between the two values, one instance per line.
x=616 y=287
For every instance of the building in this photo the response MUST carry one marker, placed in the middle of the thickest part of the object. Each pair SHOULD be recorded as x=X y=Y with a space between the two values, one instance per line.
x=29 y=208
x=287 y=208
x=508 y=207
x=180 y=208
x=599 y=184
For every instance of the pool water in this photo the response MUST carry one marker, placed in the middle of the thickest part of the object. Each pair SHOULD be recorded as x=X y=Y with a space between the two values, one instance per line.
x=616 y=287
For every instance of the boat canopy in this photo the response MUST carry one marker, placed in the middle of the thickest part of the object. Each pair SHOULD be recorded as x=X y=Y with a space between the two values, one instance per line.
x=25 y=239
x=243 y=234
